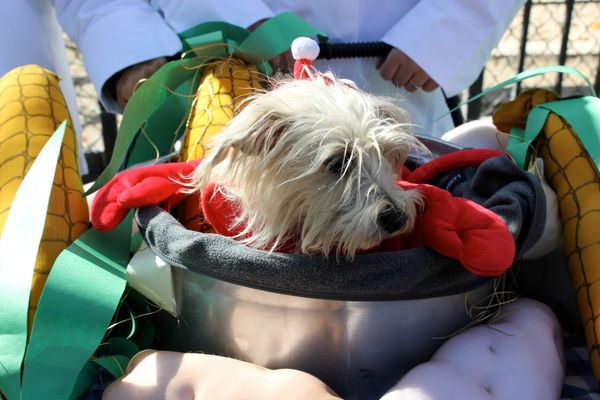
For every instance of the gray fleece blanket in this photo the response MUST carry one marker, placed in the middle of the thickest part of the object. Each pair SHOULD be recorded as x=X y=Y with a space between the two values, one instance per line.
x=416 y=273
x=499 y=185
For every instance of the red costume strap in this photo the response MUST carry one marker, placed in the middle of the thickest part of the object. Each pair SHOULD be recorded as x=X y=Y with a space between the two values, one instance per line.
x=448 y=162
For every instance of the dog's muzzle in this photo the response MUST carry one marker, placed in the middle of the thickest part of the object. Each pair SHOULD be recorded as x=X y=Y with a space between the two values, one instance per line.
x=391 y=219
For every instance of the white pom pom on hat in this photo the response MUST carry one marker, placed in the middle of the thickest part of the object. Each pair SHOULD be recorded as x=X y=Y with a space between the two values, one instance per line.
x=305 y=51
x=305 y=48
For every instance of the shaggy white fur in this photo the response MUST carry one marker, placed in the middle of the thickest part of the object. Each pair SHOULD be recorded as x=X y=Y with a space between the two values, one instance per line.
x=315 y=162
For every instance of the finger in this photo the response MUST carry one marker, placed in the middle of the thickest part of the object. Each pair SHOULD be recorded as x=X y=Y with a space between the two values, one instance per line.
x=416 y=81
x=410 y=87
x=108 y=217
x=122 y=102
x=419 y=78
x=404 y=75
x=125 y=87
x=430 y=85
x=423 y=81
x=389 y=67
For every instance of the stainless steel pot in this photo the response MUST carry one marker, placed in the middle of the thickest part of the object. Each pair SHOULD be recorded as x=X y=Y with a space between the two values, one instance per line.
x=359 y=348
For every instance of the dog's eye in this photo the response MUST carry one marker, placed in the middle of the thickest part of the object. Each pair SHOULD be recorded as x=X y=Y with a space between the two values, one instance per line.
x=334 y=164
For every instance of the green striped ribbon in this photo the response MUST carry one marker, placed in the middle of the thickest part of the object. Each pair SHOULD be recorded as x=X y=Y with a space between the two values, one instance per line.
x=583 y=113
x=18 y=251
x=78 y=302
x=88 y=278
x=152 y=118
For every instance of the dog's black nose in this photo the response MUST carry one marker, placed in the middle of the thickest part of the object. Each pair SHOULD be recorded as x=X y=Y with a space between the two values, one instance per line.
x=391 y=219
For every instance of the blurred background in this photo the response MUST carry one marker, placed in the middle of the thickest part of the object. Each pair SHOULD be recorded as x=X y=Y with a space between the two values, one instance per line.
x=545 y=32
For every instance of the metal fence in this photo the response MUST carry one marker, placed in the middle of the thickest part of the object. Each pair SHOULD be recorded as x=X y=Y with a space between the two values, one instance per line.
x=545 y=32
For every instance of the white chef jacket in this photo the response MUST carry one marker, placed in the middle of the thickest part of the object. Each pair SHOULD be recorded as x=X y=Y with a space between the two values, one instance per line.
x=30 y=34
x=450 y=39
x=115 y=34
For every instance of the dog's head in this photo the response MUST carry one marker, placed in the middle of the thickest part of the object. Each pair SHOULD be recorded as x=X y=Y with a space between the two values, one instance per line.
x=315 y=161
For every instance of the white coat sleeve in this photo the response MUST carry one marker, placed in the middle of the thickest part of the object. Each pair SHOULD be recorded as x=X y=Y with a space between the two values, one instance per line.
x=244 y=13
x=236 y=12
x=452 y=39
x=115 y=34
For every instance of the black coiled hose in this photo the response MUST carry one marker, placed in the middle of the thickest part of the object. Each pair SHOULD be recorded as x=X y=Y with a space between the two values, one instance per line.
x=353 y=50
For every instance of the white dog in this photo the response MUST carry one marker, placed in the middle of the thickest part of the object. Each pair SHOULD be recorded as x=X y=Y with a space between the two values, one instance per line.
x=314 y=162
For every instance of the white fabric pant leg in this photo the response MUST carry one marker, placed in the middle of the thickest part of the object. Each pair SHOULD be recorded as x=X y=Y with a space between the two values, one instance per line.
x=479 y=134
x=31 y=35
x=519 y=357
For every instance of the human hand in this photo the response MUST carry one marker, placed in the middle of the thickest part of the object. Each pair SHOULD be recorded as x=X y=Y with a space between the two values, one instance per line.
x=131 y=76
x=284 y=62
x=402 y=71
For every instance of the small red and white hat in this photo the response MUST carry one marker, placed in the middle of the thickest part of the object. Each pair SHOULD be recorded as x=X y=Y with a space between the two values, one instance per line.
x=305 y=50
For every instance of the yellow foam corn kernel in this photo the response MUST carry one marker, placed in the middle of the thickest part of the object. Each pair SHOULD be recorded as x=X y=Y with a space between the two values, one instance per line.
x=224 y=84
x=576 y=181
x=573 y=175
x=31 y=108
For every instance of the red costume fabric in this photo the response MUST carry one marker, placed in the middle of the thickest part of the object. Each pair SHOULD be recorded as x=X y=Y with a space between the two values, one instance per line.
x=455 y=227
x=138 y=187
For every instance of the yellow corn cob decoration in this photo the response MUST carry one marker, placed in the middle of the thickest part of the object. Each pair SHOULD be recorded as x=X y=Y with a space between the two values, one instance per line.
x=31 y=108
x=576 y=180
x=224 y=84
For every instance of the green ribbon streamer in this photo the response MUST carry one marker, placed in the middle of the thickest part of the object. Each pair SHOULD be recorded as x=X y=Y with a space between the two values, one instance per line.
x=80 y=297
x=274 y=37
x=160 y=132
x=88 y=278
x=521 y=77
x=158 y=107
x=18 y=251
x=146 y=100
x=582 y=113
x=116 y=365
x=120 y=348
x=519 y=141
x=84 y=380
x=120 y=351
x=211 y=34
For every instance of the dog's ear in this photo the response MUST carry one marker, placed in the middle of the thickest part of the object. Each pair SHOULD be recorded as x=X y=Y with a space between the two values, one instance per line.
x=258 y=138
x=265 y=137
x=255 y=130
x=391 y=113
